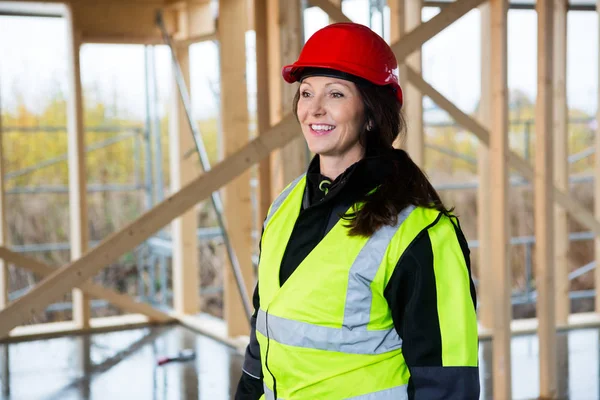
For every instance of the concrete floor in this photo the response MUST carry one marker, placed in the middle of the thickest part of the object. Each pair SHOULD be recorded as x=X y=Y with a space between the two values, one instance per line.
x=122 y=365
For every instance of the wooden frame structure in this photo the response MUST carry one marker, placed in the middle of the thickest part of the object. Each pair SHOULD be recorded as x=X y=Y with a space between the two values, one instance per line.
x=278 y=27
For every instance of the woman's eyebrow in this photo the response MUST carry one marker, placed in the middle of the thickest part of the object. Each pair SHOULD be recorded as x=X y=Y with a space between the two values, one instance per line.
x=338 y=83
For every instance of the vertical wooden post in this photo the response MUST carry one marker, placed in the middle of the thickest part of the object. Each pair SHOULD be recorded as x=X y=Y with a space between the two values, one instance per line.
x=561 y=163
x=397 y=28
x=77 y=171
x=484 y=207
x=597 y=182
x=397 y=21
x=234 y=117
x=499 y=151
x=414 y=99
x=4 y=279
x=261 y=29
x=290 y=161
x=544 y=205
x=183 y=169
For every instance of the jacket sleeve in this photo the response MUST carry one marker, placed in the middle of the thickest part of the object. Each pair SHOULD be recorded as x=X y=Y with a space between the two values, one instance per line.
x=433 y=303
x=250 y=386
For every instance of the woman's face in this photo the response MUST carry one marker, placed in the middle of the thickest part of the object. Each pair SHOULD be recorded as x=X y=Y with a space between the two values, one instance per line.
x=331 y=113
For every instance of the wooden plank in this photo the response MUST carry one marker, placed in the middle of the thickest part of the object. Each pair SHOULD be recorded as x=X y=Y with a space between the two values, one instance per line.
x=262 y=30
x=122 y=301
x=397 y=30
x=291 y=160
x=98 y=21
x=561 y=164
x=79 y=230
x=529 y=326
x=499 y=175
x=120 y=242
x=338 y=5
x=543 y=204
x=186 y=270
x=578 y=212
x=4 y=278
x=214 y=328
x=413 y=40
x=61 y=329
x=484 y=208
x=275 y=89
x=597 y=179
x=332 y=9
x=414 y=100
x=234 y=119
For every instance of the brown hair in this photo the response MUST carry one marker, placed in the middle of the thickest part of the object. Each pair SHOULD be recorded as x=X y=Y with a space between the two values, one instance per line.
x=405 y=184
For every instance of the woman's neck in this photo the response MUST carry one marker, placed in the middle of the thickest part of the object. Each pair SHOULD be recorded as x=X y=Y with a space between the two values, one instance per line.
x=334 y=166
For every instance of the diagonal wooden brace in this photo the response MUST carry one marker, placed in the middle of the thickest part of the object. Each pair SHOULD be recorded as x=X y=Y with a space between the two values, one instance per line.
x=334 y=11
x=577 y=211
x=414 y=39
x=75 y=273
x=123 y=301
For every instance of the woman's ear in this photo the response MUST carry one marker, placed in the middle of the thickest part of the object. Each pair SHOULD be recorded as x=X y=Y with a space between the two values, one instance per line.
x=369 y=125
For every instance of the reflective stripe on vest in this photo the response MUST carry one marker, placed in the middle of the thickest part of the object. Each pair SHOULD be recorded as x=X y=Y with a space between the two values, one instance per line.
x=395 y=393
x=345 y=340
x=281 y=198
x=353 y=336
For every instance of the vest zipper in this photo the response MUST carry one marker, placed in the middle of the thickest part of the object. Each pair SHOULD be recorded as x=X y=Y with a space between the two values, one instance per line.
x=267 y=355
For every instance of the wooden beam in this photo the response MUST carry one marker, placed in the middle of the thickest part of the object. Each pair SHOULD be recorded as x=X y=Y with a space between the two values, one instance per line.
x=145 y=226
x=597 y=179
x=330 y=8
x=98 y=22
x=543 y=204
x=397 y=30
x=413 y=40
x=68 y=328
x=275 y=89
x=262 y=32
x=186 y=271
x=196 y=39
x=333 y=18
x=499 y=175
x=561 y=164
x=291 y=160
x=484 y=208
x=414 y=99
x=4 y=278
x=122 y=301
x=578 y=212
x=397 y=21
x=234 y=119
x=79 y=230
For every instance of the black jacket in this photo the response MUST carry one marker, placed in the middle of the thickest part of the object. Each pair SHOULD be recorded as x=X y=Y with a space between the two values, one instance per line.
x=413 y=282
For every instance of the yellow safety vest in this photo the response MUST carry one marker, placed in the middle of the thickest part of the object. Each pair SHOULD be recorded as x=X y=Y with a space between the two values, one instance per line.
x=327 y=333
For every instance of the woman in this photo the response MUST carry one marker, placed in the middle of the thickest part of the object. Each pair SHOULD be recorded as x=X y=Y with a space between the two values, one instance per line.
x=364 y=288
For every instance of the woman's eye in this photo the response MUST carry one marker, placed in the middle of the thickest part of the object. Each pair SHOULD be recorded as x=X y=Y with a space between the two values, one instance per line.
x=305 y=94
x=336 y=95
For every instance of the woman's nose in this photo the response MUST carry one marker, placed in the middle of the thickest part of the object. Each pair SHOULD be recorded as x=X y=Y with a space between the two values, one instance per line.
x=317 y=107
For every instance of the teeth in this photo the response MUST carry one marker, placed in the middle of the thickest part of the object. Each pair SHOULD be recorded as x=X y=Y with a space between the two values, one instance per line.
x=322 y=127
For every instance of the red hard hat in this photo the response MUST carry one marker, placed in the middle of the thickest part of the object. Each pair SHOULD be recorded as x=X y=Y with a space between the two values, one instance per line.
x=350 y=48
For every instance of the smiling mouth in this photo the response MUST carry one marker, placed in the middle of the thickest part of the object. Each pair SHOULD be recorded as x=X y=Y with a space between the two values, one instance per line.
x=321 y=129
